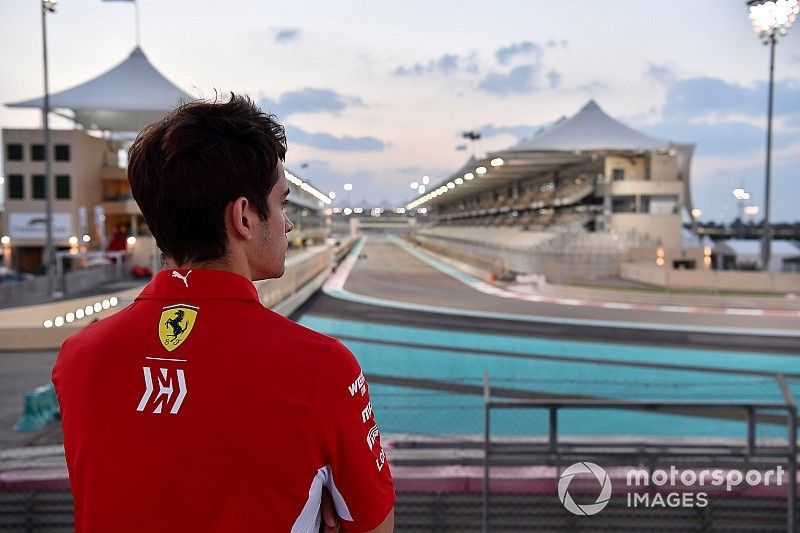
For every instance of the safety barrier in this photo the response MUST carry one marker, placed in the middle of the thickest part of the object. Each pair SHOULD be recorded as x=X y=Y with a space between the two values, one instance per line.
x=560 y=453
x=41 y=406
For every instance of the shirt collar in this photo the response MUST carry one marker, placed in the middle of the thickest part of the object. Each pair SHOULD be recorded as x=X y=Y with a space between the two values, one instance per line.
x=199 y=283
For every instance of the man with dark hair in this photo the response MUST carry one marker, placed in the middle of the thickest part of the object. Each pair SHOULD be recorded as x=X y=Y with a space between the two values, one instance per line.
x=196 y=408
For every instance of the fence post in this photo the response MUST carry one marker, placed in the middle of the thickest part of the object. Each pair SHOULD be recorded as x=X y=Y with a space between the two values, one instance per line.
x=751 y=431
x=486 y=430
x=553 y=433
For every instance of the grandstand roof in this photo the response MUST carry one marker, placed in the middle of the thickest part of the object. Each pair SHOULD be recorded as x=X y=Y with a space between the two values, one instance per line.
x=589 y=129
x=574 y=140
x=127 y=97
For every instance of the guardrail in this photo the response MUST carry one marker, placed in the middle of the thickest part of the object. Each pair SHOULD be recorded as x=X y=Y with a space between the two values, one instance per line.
x=554 y=451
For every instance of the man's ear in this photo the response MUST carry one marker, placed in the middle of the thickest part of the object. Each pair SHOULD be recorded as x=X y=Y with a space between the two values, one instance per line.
x=240 y=219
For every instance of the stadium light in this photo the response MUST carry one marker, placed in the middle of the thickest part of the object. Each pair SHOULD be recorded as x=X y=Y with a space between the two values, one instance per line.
x=48 y=6
x=771 y=18
x=497 y=161
x=414 y=185
x=348 y=186
x=425 y=180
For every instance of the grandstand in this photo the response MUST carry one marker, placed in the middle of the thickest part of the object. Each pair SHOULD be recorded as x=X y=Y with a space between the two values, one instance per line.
x=583 y=193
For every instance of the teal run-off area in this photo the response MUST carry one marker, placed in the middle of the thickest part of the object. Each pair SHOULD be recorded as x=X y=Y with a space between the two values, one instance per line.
x=526 y=363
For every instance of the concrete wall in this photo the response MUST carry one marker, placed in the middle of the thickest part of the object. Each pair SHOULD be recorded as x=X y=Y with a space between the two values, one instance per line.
x=556 y=267
x=663 y=167
x=21 y=327
x=710 y=280
x=634 y=167
x=650 y=188
x=667 y=228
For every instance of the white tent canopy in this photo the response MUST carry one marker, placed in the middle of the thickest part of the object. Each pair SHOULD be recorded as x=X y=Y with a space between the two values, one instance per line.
x=589 y=129
x=126 y=98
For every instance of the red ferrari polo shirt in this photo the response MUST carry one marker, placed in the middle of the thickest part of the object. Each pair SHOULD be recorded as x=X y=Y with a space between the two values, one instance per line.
x=197 y=409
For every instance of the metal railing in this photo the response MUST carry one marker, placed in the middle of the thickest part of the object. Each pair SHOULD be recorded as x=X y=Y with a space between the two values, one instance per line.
x=554 y=451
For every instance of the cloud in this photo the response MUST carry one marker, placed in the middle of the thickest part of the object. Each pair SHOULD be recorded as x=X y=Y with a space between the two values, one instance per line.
x=284 y=35
x=310 y=100
x=325 y=177
x=552 y=43
x=664 y=74
x=593 y=86
x=520 y=79
x=719 y=138
x=446 y=64
x=526 y=48
x=327 y=141
x=697 y=97
x=518 y=131
x=553 y=79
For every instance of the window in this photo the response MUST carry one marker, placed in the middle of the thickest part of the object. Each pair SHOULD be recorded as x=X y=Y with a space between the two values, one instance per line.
x=16 y=187
x=618 y=174
x=37 y=152
x=663 y=205
x=63 y=190
x=62 y=152
x=14 y=152
x=38 y=187
x=624 y=204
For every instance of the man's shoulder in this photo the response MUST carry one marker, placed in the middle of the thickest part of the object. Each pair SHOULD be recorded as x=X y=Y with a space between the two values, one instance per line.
x=95 y=331
x=298 y=334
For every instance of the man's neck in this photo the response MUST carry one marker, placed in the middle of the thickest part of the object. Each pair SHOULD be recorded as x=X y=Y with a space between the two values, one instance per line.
x=219 y=264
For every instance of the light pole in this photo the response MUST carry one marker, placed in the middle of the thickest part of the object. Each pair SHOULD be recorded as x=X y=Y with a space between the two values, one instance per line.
x=770 y=18
x=48 y=6
x=741 y=196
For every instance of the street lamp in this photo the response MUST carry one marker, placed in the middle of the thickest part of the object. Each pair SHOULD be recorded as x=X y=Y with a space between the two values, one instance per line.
x=741 y=196
x=48 y=6
x=771 y=18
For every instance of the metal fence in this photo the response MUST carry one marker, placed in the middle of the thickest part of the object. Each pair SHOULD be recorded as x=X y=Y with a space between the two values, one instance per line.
x=690 y=455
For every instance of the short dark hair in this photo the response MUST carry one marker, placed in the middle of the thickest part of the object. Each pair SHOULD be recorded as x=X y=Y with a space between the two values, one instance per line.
x=186 y=168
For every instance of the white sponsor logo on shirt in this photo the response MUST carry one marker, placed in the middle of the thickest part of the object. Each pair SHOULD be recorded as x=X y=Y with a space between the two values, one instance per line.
x=367 y=413
x=168 y=380
x=184 y=279
x=372 y=436
x=358 y=385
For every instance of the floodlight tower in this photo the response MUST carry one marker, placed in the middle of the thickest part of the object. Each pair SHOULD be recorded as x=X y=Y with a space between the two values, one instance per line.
x=48 y=6
x=770 y=19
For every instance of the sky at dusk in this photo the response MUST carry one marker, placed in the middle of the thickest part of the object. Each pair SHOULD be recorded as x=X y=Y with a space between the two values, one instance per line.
x=378 y=93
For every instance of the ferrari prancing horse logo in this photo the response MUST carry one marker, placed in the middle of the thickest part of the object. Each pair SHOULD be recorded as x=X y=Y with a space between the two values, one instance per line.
x=176 y=324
